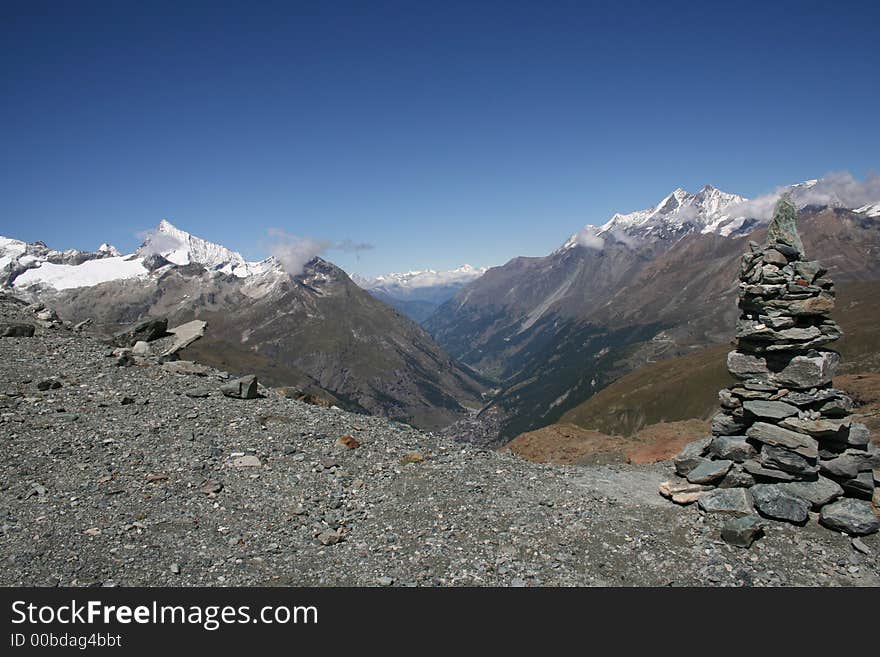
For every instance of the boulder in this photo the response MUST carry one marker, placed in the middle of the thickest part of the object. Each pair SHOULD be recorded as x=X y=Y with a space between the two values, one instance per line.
x=743 y=531
x=787 y=461
x=243 y=388
x=818 y=493
x=758 y=471
x=774 y=257
x=16 y=330
x=799 y=372
x=725 y=424
x=141 y=348
x=860 y=486
x=819 y=428
x=855 y=517
x=737 y=477
x=733 y=448
x=845 y=466
x=185 y=335
x=775 y=502
x=782 y=231
x=770 y=434
x=682 y=492
x=858 y=435
x=773 y=410
x=709 y=471
x=147 y=330
x=691 y=456
x=730 y=501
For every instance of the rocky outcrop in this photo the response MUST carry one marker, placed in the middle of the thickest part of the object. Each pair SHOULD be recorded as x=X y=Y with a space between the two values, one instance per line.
x=784 y=424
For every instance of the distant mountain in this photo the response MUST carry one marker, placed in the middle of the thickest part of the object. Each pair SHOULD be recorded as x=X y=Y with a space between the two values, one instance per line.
x=417 y=294
x=554 y=330
x=708 y=211
x=313 y=329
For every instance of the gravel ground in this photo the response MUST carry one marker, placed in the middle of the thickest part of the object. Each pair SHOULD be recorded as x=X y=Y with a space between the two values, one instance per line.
x=117 y=477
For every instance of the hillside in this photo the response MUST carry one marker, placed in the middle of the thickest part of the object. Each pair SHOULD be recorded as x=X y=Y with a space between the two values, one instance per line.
x=687 y=387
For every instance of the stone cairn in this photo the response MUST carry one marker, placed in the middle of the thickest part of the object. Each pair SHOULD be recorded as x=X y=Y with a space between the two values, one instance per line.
x=783 y=443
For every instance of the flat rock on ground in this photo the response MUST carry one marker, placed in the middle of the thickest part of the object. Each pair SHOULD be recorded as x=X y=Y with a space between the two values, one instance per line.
x=94 y=492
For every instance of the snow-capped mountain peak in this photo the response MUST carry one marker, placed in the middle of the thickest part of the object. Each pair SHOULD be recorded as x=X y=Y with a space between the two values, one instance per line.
x=678 y=213
x=678 y=209
x=34 y=266
x=181 y=248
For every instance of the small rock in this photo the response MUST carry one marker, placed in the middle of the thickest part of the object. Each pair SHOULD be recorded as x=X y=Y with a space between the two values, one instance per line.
x=860 y=546
x=743 y=531
x=329 y=537
x=175 y=569
x=247 y=461
x=186 y=367
x=385 y=581
x=347 y=442
x=197 y=393
x=413 y=457
x=855 y=517
x=141 y=348
x=243 y=388
x=211 y=487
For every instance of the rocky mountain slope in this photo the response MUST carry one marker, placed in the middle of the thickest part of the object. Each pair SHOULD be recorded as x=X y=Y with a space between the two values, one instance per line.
x=314 y=329
x=114 y=475
x=683 y=387
x=657 y=284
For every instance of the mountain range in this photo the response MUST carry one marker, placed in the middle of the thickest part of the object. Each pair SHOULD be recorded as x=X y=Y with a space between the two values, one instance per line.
x=500 y=351
x=314 y=330
x=417 y=294
x=552 y=331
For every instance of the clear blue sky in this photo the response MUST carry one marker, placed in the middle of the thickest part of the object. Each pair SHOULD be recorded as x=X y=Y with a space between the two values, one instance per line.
x=441 y=133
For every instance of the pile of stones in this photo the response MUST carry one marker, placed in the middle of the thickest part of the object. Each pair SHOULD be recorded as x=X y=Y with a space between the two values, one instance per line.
x=784 y=442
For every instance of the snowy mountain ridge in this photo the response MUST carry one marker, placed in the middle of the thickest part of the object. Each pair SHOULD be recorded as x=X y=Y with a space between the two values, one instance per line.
x=28 y=266
x=423 y=278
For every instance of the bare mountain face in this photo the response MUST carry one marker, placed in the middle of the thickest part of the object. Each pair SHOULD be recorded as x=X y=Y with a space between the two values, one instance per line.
x=316 y=330
x=653 y=284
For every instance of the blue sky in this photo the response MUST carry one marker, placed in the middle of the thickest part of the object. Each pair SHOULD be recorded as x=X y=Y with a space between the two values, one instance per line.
x=440 y=133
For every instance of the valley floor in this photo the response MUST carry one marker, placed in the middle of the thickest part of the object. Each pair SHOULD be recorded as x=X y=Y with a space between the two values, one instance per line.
x=119 y=478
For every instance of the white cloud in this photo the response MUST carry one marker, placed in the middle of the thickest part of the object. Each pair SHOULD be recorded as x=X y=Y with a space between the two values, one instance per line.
x=840 y=189
x=589 y=238
x=295 y=252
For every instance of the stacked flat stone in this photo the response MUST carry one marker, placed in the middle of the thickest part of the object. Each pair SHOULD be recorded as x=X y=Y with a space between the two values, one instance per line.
x=784 y=442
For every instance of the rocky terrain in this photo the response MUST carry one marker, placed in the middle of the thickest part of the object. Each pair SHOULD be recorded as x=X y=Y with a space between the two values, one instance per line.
x=124 y=471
